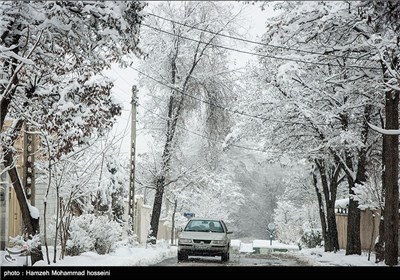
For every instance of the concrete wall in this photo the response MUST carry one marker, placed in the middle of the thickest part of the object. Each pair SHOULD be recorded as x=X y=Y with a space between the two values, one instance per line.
x=142 y=222
x=164 y=231
x=51 y=209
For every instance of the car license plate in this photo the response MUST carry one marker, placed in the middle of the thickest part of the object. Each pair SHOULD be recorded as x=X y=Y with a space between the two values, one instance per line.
x=201 y=246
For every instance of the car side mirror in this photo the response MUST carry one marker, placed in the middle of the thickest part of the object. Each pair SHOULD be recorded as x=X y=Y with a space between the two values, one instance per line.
x=229 y=232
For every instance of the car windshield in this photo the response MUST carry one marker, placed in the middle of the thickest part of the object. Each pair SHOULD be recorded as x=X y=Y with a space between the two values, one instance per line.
x=204 y=226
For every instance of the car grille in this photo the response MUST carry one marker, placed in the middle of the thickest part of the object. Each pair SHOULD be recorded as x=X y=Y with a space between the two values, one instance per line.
x=204 y=241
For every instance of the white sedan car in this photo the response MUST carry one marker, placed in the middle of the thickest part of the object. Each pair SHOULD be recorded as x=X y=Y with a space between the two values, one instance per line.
x=204 y=237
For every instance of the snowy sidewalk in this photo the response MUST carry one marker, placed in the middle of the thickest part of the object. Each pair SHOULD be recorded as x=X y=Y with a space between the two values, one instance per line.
x=260 y=246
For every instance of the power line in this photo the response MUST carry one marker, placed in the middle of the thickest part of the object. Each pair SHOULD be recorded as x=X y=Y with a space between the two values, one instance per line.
x=220 y=106
x=206 y=137
x=259 y=54
x=256 y=42
x=220 y=141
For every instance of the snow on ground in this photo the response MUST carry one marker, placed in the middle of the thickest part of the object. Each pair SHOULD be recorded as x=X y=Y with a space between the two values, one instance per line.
x=142 y=255
x=137 y=256
x=314 y=256
x=246 y=248
x=259 y=243
x=319 y=257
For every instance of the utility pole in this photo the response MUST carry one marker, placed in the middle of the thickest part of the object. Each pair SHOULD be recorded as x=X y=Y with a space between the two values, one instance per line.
x=131 y=211
x=29 y=163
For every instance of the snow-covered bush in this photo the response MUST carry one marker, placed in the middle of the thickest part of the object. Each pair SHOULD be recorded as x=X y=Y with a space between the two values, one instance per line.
x=89 y=232
x=24 y=243
x=287 y=218
x=311 y=238
x=297 y=222
x=368 y=195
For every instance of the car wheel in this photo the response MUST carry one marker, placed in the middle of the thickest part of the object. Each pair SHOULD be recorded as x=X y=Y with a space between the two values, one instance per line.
x=182 y=257
x=225 y=257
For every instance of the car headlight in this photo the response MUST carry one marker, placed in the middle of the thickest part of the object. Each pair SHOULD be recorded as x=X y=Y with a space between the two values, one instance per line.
x=185 y=240
x=220 y=242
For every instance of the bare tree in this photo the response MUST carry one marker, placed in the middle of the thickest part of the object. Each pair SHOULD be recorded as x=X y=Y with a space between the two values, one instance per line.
x=184 y=61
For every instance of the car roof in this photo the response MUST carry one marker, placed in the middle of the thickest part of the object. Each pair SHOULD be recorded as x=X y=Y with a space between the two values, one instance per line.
x=207 y=219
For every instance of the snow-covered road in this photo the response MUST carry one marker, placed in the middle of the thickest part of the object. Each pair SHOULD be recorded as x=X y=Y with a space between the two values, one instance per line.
x=268 y=259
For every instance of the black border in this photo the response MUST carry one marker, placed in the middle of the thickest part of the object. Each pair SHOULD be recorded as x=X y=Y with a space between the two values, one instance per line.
x=122 y=272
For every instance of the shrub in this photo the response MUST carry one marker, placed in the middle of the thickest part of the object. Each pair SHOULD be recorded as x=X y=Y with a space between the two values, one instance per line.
x=93 y=233
x=311 y=238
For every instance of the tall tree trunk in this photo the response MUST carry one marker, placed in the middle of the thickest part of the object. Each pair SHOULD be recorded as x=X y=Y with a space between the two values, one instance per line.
x=173 y=115
x=155 y=216
x=329 y=188
x=320 y=207
x=391 y=157
x=4 y=103
x=173 y=222
x=31 y=224
x=175 y=107
x=353 y=246
x=331 y=216
x=379 y=245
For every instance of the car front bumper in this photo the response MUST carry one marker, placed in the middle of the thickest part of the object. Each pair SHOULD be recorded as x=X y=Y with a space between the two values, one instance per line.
x=202 y=249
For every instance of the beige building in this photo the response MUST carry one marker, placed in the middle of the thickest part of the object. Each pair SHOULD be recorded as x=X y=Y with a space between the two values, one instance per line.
x=10 y=218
